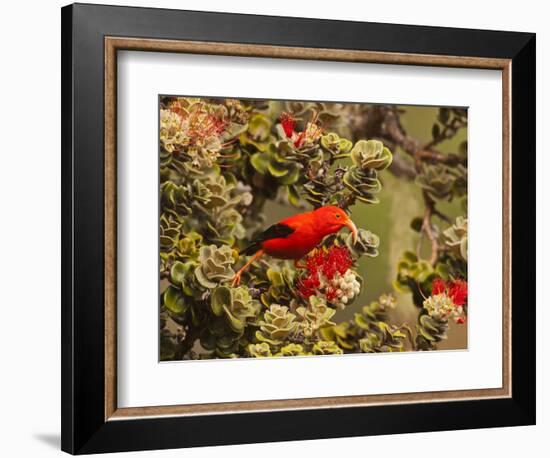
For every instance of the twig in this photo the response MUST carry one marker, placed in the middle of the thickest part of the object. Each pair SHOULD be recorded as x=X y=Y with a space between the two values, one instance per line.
x=427 y=227
x=444 y=217
x=419 y=243
x=390 y=130
x=449 y=131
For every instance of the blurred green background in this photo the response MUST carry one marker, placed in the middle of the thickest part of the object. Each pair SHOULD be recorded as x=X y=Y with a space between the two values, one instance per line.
x=400 y=202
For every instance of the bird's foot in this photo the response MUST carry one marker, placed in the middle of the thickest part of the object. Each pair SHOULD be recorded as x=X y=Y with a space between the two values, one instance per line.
x=236 y=280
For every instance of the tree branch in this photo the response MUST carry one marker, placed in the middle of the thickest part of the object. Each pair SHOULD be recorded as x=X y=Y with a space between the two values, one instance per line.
x=385 y=125
x=427 y=227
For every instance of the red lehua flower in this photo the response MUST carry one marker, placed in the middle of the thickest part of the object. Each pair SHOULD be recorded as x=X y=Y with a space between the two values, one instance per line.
x=308 y=285
x=220 y=125
x=327 y=263
x=300 y=139
x=331 y=294
x=203 y=125
x=314 y=260
x=288 y=122
x=337 y=259
x=457 y=290
x=438 y=286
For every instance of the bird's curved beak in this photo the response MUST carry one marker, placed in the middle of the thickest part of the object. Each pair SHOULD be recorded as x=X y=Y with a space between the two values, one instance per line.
x=353 y=228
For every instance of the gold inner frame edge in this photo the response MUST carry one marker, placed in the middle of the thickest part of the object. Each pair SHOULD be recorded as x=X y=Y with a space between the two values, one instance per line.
x=114 y=44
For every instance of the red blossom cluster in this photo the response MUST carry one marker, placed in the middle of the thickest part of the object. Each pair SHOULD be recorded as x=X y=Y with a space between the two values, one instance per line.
x=201 y=122
x=457 y=290
x=206 y=126
x=288 y=122
x=324 y=263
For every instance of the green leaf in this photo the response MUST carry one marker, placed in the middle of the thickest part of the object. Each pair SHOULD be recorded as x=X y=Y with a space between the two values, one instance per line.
x=425 y=271
x=443 y=271
x=235 y=129
x=275 y=277
x=277 y=169
x=443 y=116
x=368 y=200
x=208 y=340
x=262 y=338
x=428 y=323
x=293 y=196
x=202 y=279
x=361 y=321
x=174 y=300
x=344 y=344
x=226 y=342
x=463 y=148
x=236 y=324
x=464 y=248
x=410 y=256
x=426 y=335
x=344 y=146
x=178 y=272
x=259 y=126
x=339 y=331
x=435 y=131
x=167 y=348
x=221 y=297
x=260 y=162
x=292 y=176
x=416 y=224
x=166 y=242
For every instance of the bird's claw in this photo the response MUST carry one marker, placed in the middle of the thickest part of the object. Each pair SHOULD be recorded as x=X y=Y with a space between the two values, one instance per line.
x=236 y=280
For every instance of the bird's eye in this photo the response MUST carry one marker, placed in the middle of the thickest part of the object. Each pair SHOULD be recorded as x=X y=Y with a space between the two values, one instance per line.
x=337 y=215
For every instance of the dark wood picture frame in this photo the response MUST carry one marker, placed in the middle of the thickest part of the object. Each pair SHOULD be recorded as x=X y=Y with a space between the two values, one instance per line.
x=91 y=37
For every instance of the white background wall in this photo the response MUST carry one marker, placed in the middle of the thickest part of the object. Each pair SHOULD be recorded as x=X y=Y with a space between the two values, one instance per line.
x=30 y=225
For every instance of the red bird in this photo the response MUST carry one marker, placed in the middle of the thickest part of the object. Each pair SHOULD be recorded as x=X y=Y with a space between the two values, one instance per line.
x=294 y=237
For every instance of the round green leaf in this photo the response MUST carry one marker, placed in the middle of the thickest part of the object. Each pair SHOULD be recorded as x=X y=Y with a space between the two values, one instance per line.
x=178 y=272
x=277 y=169
x=174 y=300
x=260 y=162
x=220 y=297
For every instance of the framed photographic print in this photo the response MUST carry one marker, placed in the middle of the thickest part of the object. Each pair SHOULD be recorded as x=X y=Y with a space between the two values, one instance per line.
x=271 y=222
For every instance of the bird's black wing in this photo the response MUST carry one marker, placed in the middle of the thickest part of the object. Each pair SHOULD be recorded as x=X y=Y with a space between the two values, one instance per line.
x=277 y=231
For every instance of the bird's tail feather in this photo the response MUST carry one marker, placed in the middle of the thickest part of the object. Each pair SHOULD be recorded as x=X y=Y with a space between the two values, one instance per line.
x=250 y=249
